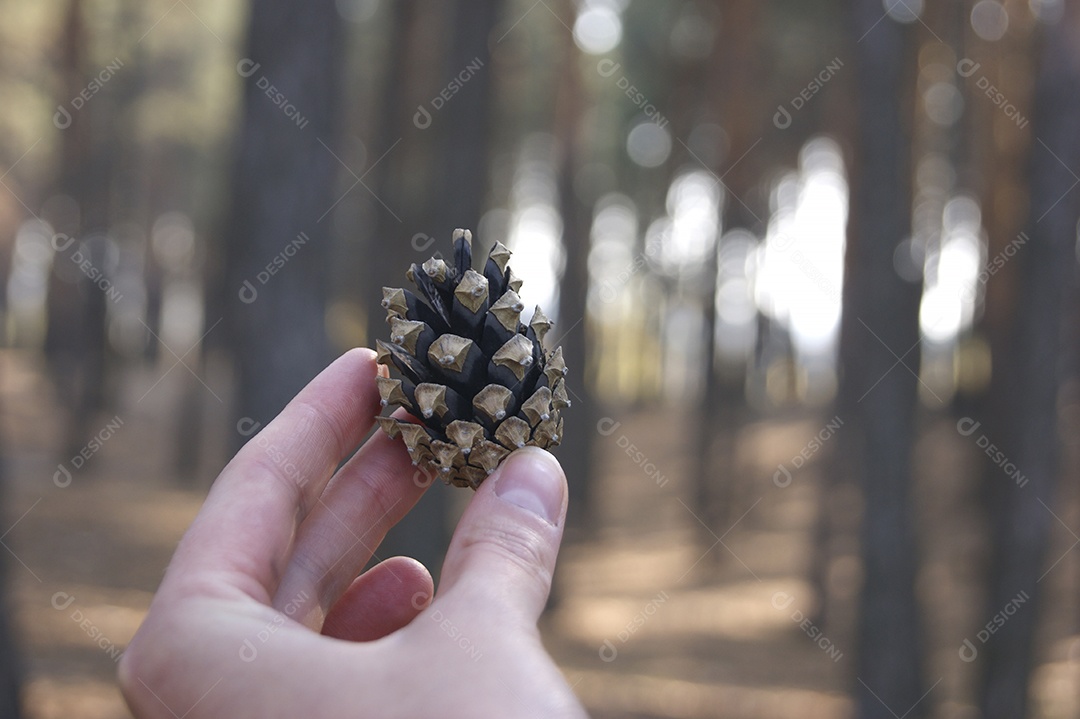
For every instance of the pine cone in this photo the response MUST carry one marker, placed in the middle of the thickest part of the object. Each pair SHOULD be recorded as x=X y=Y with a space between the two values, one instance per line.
x=473 y=374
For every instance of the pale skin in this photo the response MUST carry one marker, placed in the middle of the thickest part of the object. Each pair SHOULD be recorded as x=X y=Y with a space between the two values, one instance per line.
x=261 y=612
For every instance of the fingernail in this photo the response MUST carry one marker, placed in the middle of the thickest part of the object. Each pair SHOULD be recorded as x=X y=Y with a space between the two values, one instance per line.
x=532 y=479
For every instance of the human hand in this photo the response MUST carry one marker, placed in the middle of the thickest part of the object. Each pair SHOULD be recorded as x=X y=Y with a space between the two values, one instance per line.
x=261 y=612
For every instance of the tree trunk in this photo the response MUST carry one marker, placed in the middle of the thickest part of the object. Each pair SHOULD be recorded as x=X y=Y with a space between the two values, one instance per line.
x=392 y=246
x=732 y=100
x=464 y=122
x=572 y=332
x=284 y=186
x=1030 y=378
x=75 y=336
x=11 y=665
x=882 y=313
x=451 y=197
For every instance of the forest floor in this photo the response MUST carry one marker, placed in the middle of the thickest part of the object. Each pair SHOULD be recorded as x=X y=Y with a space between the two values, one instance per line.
x=656 y=614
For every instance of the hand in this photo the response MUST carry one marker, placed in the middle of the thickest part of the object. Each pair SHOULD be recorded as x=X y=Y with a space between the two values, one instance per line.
x=261 y=612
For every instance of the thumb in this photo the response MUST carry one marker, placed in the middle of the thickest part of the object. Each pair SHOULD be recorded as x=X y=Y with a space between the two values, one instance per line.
x=502 y=556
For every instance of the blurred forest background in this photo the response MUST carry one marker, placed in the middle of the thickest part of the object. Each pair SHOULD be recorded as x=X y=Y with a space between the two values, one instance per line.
x=813 y=264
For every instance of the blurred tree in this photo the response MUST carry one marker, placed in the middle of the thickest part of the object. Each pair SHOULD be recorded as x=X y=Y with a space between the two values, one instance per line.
x=880 y=365
x=390 y=252
x=11 y=666
x=464 y=123
x=576 y=452
x=284 y=186
x=999 y=151
x=1027 y=377
x=731 y=100
x=75 y=335
x=445 y=190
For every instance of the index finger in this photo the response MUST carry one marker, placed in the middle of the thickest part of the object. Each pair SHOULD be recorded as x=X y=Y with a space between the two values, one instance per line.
x=243 y=535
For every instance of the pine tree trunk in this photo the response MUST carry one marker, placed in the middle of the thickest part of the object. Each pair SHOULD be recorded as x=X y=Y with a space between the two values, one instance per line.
x=882 y=320
x=391 y=247
x=464 y=122
x=732 y=99
x=75 y=337
x=11 y=665
x=572 y=330
x=1031 y=376
x=284 y=186
x=453 y=196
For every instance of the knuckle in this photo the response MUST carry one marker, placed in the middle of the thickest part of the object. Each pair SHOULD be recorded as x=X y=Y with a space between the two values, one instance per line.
x=327 y=423
x=143 y=669
x=515 y=545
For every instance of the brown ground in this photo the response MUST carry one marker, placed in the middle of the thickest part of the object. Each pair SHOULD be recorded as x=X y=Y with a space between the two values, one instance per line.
x=706 y=640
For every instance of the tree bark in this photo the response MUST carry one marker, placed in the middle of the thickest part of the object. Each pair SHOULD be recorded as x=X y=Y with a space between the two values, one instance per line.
x=576 y=451
x=452 y=196
x=882 y=321
x=1031 y=375
x=284 y=186
x=464 y=122
x=75 y=337
x=732 y=100
x=391 y=247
